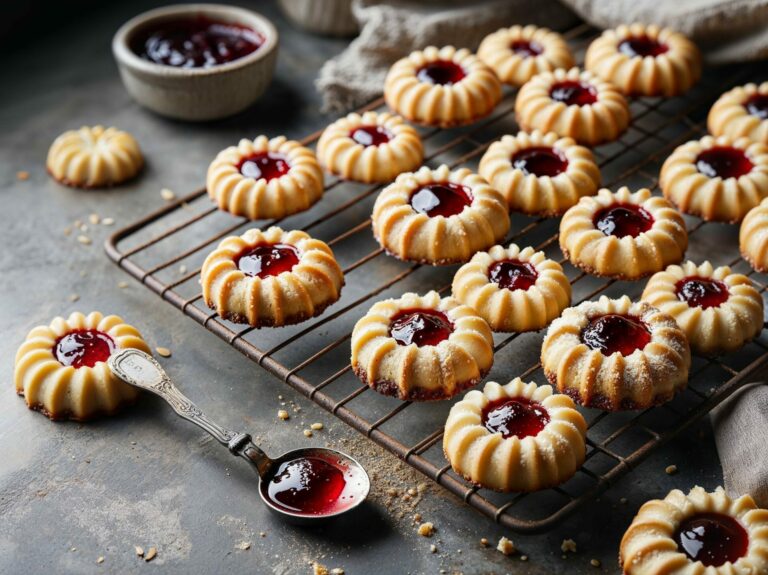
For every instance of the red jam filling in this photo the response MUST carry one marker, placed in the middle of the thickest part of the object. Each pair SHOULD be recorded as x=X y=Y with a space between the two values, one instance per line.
x=513 y=274
x=712 y=539
x=642 y=46
x=724 y=162
x=573 y=93
x=441 y=199
x=613 y=332
x=370 y=135
x=623 y=220
x=701 y=292
x=518 y=417
x=266 y=165
x=525 y=48
x=267 y=260
x=83 y=348
x=540 y=161
x=196 y=43
x=307 y=485
x=757 y=105
x=420 y=326
x=443 y=72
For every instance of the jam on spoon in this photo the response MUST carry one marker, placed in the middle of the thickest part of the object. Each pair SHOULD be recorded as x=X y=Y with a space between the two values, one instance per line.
x=642 y=46
x=265 y=165
x=442 y=72
x=370 y=135
x=518 y=417
x=614 y=332
x=420 y=326
x=441 y=199
x=623 y=220
x=723 y=162
x=701 y=292
x=540 y=161
x=712 y=539
x=83 y=348
x=267 y=260
x=513 y=274
x=757 y=105
x=572 y=93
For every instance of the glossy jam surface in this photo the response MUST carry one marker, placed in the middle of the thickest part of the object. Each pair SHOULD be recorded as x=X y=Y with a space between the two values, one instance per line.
x=573 y=93
x=267 y=165
x=83 y=348
x=441 y=199
x=757 y=105
x=614 y=332
x=196 y=43
x=513 y=274
x=525 y=48
x=701 y=292
x=623 y=220
x=443 y=72
x=518 y=417
x=267 y=260
x=723 y=162
x=642 y=46
x=370 y=135
x=420 y=326
x=540 y=161
x=712 y=539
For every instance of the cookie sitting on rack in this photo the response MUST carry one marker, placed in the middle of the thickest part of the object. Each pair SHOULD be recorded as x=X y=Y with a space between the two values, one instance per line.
x=741 y=113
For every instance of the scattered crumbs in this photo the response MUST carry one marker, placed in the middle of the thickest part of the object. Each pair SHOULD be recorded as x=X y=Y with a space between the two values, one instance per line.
x=411 y=491
x=74 y=297
x=505 y=546
x=319 y=569
x=426 y=529
x=307 y=433
x=262 y=533
x=282 y=414
x=417 y=518
x=122 y=285
x=568 y=545
x=67 y=231
x=139 y=551
x=167 y=194
x=107 y=221
x=433 y=548
x=100 y=560
x=85 y=240
x=151 y=554
x=671 y=469
x=163 y=351
x=484 y=542
x=316 y=426
x=22 y=175
x=523 y=557
x=337 y=571
x=182 y=269
x=623 y=500
x=595 y=562
x=392 y=492
x=243 y=545
x=94 y=219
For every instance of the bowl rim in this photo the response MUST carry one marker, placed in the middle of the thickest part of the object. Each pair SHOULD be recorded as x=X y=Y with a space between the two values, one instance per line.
x=125 y=55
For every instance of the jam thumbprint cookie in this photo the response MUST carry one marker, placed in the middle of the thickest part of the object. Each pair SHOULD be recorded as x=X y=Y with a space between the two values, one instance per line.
x=421 y=347
x=717 y=179
x=623 y=235
x=753 y=237
x=513 y=289
x=439 y=216
x=94 y=157
x=572 y=103
x=741 y=113
x=697 y=534
x=645 y=60
x=614 y=354
x=518 y=53
x=718 y=310
x=61 y=369
x=271 y=278
x=516 y=437
x=441 y=87
x=540 y=174
x=265 y=178
x=374 y=147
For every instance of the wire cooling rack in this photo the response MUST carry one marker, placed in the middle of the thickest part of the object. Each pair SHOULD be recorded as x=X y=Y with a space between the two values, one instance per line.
x=165 y=250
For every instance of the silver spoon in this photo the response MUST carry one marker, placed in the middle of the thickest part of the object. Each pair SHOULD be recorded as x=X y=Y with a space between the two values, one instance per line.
x=141 y=370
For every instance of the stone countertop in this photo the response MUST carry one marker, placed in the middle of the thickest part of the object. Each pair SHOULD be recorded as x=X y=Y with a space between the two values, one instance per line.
x=71 y=493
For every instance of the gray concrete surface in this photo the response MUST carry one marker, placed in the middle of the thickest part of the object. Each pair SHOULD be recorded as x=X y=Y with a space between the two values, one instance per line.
x=72 y=493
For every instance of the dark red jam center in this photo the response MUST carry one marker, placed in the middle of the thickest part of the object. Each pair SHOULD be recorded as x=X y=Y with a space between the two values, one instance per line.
x=724 y=162
x=623 y=220
x=442 y=72
x=642 y=46
x=196 y=43
x=757 y=105
x=613 y=332
x=517 y=417
x=513 y=274
x=370 y=135
x=83 y=348
x=571 y=92
x=267 y=260
x=420 y=326
x=701 y=292
x=525 y=48
x=712 y=539
x=308 y=485
x=441 y=199
x=540 y=161
x=267 y=165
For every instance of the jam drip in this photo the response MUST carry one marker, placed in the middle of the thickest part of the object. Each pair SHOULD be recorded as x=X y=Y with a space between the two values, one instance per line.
x=642 y=46
x=540 y=161
x=267 y=260
x=623 y=220
x=513 y=274
x=441 y=199
x=573 y=93
x=525 y=48
x=701 y=292
x=712 y=539
x=516 y=417
x=613 y=332
x=443 y=72
x=197 y=43
x=308 y=485
x=83 y=348
x=420 y=326
x=723 y=162
x=370 y=135
x=265 y=165
x=757 y=105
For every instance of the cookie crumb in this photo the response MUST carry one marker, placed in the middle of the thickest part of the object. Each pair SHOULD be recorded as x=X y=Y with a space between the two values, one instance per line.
x=307 y=433
x=426 y=529
x=167 y=194
x=74 y=297
x=417 y=518
x=484 y=542
x=139 y=551
x=523 y=557
x=262 y=533
x=505 y=546
x=85 y=240
x=670 y=469
x=568 y=545
x=337 y=571
x=107 y=221
x=282 y=414
x=151 y=554
x=316 y=426
x=22 y=175
x=319 y=569
x=433 y=548
x=182 y=269
x=163 y=351
x=100 y=560
x=595 y=562
x=623 y=500
x=122 y=285
x=94 y=219
x=243 y=545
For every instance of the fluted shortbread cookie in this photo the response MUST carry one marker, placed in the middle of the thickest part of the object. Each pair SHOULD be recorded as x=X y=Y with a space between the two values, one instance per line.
x=741 y=113
x=753 y=237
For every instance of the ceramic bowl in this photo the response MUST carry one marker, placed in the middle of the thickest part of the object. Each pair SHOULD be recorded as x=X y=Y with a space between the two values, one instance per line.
x=196 y=94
